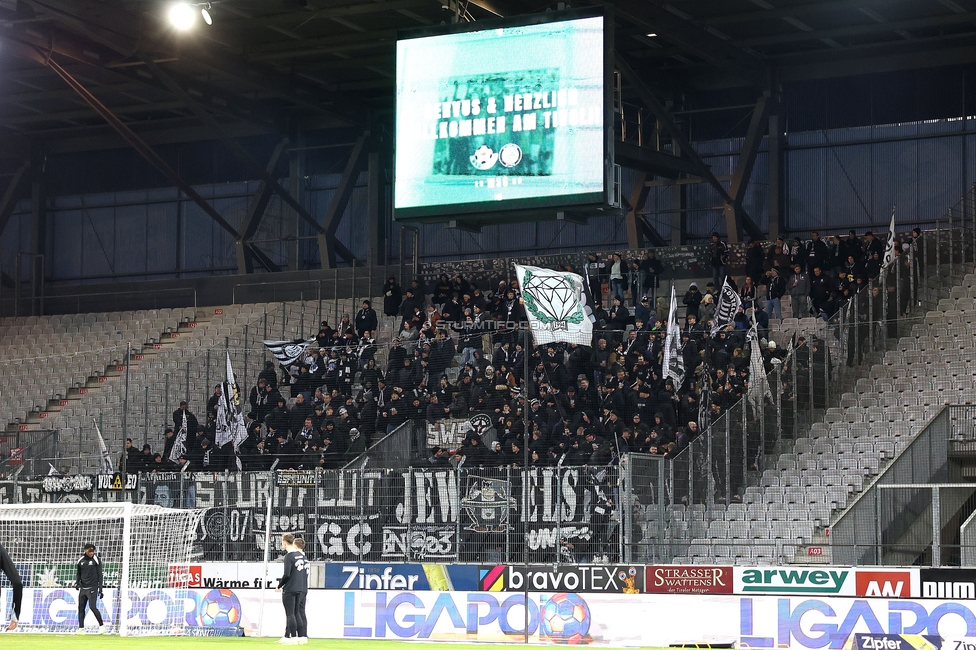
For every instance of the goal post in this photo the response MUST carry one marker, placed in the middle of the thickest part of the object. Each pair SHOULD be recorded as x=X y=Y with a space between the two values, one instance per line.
x=135 y=543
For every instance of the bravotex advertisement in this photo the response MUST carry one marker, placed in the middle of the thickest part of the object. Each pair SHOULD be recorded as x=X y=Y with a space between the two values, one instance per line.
x=493 y=118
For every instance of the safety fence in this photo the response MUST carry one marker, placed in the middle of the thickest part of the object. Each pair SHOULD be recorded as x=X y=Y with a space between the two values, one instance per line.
x=916 y=509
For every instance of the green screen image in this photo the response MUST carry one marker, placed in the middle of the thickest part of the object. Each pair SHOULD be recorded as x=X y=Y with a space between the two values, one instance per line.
x=533 y=150
x=509 y=115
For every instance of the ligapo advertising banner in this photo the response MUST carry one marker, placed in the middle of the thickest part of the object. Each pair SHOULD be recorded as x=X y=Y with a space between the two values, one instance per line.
x=556 y=617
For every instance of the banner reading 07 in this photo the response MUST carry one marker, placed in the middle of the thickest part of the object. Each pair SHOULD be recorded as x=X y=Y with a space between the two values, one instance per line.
x=498 y=119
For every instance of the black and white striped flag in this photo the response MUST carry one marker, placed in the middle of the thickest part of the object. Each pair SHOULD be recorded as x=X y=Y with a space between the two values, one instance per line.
x=673 y=364
x=889 y=254
x=758 y=384
x=102 y=449
x=704 y=403
x=288 y=353
x=726 y=308
x=179 y=443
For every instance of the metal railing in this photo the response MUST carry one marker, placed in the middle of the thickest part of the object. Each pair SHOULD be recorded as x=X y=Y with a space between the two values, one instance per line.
x=98 y=301
x=901 y=517
x=33 y=453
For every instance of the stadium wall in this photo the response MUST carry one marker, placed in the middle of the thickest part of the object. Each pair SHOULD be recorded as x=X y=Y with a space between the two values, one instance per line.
x=834 y=180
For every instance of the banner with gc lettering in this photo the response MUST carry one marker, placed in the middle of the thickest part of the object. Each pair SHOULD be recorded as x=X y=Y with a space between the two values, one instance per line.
x=478 y=515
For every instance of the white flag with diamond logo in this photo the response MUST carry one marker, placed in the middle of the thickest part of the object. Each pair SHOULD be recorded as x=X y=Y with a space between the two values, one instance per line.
x=554 y=305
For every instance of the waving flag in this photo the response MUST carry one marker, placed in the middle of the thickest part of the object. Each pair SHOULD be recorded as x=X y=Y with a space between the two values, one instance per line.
x=758 y=384
x=889 y=254
x=230 y=416
x=673 y=365
x=288 y=353
x=554 y=305
x=103 y=450
x=726 y=307
x=179 y=443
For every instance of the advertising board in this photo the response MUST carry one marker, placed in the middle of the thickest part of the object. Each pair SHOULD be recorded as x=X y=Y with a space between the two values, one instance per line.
x=827 y=581
x=887 y=583
x=624 y=579
x=225 y=575
x=674 y=579
x=948 y=583
x=401 y=577
x=599 y=619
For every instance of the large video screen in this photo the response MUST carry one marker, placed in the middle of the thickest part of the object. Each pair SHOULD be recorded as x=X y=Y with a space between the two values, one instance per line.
x=501 y=119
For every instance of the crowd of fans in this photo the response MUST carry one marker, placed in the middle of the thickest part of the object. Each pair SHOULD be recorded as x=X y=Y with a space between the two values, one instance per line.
x=586 y=404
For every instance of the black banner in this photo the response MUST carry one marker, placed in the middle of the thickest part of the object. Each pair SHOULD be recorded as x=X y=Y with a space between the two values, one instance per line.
x=948 y=584
x=411 y=514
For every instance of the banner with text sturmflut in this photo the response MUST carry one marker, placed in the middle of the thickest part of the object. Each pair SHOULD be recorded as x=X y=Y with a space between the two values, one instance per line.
x=423 y=514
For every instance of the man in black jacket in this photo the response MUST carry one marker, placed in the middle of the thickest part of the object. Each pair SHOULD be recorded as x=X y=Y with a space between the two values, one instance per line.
x=365 y=319
x=192 y=425
x=775 y=288
x=268 y=374
x=88 y=582
x=214 y=401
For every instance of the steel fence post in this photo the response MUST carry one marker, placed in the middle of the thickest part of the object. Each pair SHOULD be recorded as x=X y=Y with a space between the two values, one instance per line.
x=316 y=550
x=362 y=513
x=508 y=517
x=936 y=526
x=408 y=509
x=457 y=518
x=223 y=540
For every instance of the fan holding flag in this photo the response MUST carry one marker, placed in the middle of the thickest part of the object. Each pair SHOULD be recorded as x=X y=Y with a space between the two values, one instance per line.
x=230 y=426
x=889 y=254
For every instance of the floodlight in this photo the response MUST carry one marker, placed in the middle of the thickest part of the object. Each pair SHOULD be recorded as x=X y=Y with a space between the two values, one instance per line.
x=182 y=16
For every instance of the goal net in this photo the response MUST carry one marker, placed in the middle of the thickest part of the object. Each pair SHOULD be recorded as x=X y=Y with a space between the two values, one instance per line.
x=136 y=545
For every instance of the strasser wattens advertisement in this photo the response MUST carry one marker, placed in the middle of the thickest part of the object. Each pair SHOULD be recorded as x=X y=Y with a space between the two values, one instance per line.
x=501 y=119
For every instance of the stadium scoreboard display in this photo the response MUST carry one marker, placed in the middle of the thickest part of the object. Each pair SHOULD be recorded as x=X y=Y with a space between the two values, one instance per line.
x=507 y=118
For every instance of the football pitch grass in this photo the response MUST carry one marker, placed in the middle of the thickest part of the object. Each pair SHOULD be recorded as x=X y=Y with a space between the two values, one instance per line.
x=92 y=641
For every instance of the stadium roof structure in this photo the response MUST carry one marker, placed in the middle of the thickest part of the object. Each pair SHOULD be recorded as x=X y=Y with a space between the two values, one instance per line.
x=87 y=75
x=265 y=67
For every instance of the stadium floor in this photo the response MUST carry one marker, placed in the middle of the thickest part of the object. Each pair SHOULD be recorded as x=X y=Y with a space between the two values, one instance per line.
x=90 y=641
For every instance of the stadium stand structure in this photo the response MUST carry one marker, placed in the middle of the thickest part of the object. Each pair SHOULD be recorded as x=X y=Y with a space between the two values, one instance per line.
x=63 y=371
x=807 y=487
x=784 y=504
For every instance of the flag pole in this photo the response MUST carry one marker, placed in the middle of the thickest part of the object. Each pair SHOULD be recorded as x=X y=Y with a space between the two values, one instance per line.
x=526 y=436
x=125 y=412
